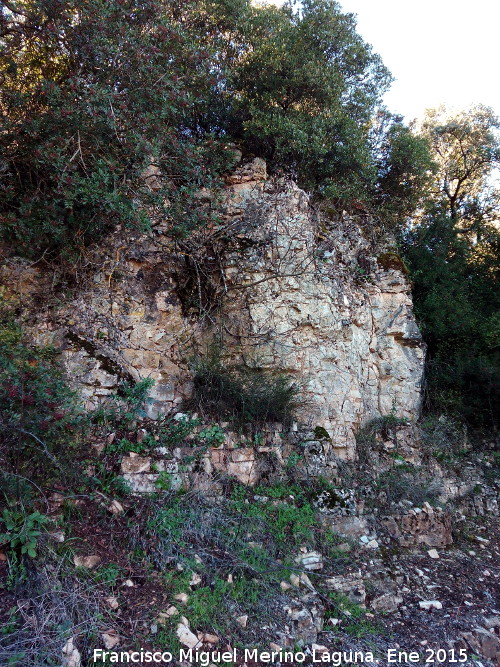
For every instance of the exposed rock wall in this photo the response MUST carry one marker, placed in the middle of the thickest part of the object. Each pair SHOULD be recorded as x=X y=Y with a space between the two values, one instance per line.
x=321 y=305
x=303 y=293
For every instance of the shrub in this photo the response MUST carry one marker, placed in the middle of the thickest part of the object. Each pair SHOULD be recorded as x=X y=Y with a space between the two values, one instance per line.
x=22 y=530
x=443 y=438
x=247 y=395
x=405 y=482
x=40 y=419
x=92 y=93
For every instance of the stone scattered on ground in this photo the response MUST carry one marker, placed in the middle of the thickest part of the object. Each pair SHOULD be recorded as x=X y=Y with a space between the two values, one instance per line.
x=86 y=561
x=186 y=637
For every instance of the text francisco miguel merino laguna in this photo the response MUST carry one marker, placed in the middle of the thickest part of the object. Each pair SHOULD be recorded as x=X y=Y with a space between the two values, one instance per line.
x=320 y=655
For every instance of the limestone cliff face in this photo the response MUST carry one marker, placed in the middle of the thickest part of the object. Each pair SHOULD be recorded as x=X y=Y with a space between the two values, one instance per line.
x=299 y=292
x=320 y=305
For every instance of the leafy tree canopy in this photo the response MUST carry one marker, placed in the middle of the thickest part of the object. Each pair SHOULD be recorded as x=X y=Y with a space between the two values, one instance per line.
x=453 y=253
x=305 y=87
x=95 y=92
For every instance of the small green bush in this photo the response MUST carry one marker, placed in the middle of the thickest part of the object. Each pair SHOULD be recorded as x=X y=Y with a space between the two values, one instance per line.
x=246 y=395
x=22 y=530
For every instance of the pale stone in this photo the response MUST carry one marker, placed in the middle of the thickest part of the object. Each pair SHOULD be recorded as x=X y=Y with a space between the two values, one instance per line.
x=310 y=561
x=135 y=465
x=433 y=554
x=86 y=561
x=195 y=580
x=111 y=602
x=350 y=585
x=116 y=507
x=355 y=342
x=242 y=620
x=71 y=655
x=187 y=637
x=110 y=638
x=427 y=605
x=58 y=536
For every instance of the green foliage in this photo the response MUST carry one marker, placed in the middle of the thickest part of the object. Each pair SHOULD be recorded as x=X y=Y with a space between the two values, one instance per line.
x=164 y=481
x=22 y=530
x=305 y=87
x=96 y=93
x=354 y=617
x=40 y=420
x=213 y=436
x=120 y=410
x=107 y=481
x=175 y=432
x=452 y=254
x=405 y=169
x=107 y=574
x=123 y=446
x=456 y=296
x=247 y=395
x=466 y=148
x=92 y=93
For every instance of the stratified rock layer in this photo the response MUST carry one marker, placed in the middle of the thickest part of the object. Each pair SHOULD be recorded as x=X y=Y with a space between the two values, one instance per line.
x=308 y=294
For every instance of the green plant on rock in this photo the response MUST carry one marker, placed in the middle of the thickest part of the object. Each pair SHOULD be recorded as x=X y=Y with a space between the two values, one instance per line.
x=123 y=446
x=120 y=410
x=244 y=394
x=354 y=618
x=212 y=436
x=164 y=481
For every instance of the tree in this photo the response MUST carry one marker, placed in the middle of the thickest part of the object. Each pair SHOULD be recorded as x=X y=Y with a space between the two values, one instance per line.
x=405 y=170
x=452 y=250
x=92 y=93
x=466 y=148
x=305 y=87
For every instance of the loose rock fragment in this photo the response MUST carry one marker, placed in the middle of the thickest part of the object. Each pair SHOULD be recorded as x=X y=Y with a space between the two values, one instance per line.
x=430 y=604
x=110 y=638
x=242 y=620
x=71 y=655
x=187 y=637
x=86 y=561
x=111 y=602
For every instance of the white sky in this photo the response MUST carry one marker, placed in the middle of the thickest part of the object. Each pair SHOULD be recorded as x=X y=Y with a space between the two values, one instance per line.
x=439 y=51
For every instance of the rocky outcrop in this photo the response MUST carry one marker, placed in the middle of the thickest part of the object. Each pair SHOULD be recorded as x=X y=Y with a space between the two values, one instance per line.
x=311 y=295
x=317 y=299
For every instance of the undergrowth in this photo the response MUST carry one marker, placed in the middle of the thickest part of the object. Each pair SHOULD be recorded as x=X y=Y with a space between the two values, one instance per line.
x=244 y=394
